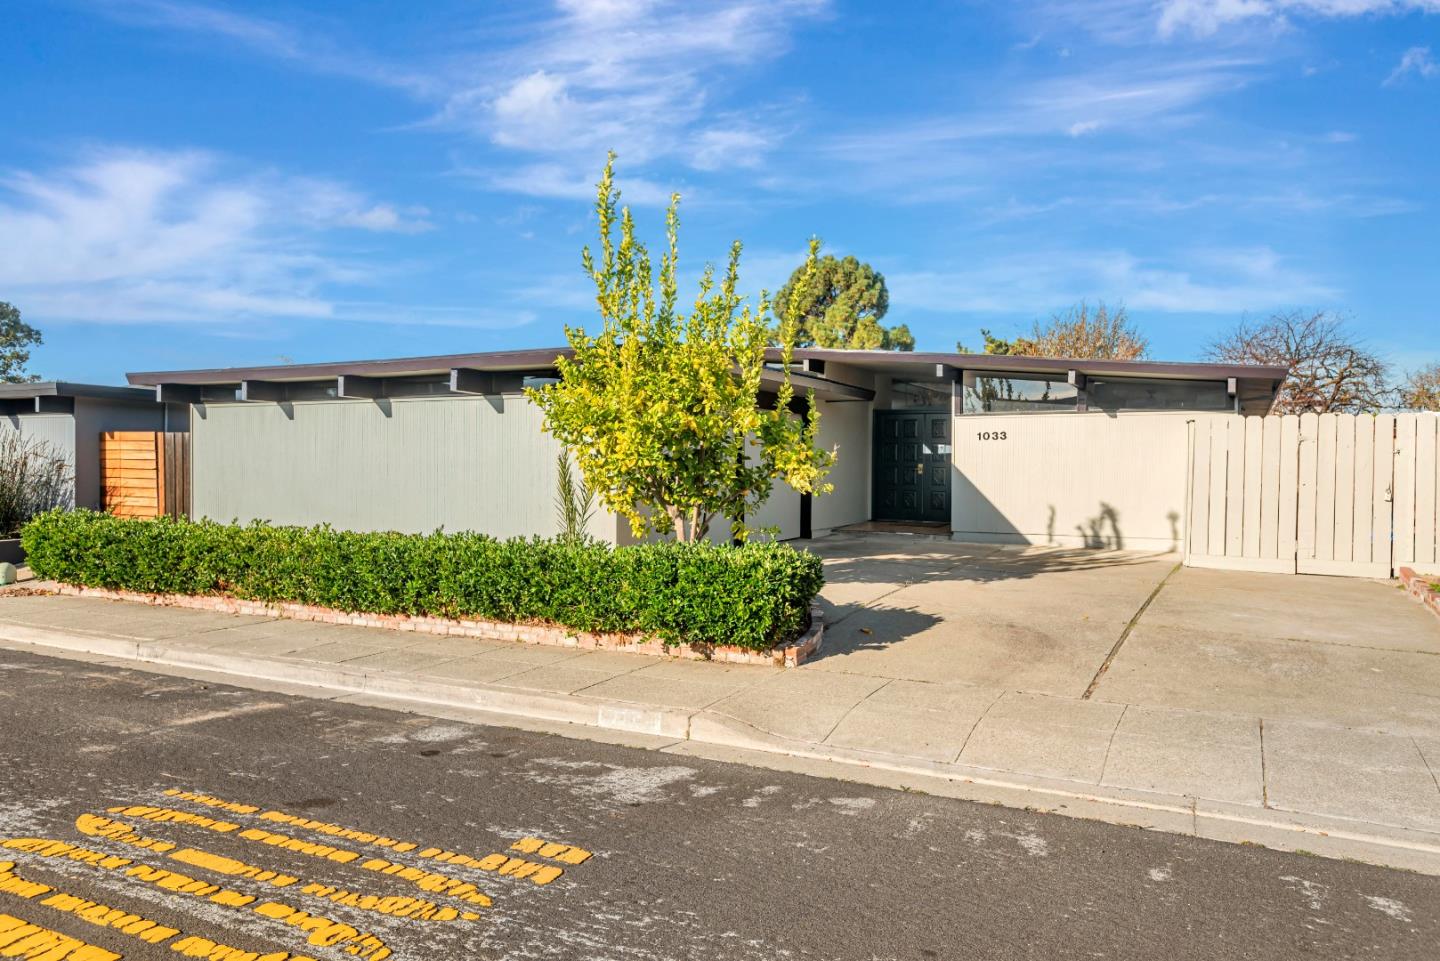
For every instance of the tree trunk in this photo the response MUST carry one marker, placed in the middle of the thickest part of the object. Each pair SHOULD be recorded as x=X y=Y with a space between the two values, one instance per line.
x=677 y=520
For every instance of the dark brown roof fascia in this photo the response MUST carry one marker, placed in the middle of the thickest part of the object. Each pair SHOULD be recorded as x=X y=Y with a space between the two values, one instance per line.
x=397 y=367
x=1139 y=368
x=60 y=388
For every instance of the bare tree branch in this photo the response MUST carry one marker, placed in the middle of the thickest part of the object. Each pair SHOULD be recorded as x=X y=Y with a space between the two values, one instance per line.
x=1331 y=370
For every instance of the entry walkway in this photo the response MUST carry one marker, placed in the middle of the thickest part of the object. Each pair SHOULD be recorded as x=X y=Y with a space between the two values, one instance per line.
x=1296 y=712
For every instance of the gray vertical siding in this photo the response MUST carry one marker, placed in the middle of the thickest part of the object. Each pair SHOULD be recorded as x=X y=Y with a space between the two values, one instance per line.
x=408 y=465
x=57 y=430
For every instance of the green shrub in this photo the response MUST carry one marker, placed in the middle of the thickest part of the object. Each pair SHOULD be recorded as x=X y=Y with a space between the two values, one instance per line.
x=753 y=596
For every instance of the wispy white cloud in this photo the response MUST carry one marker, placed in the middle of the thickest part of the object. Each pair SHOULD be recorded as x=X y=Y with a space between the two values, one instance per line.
x=1142 y=22
x=132 y=236
x=1206 y=17
x=1204 y=281
x=640 y=76
x=1031 y=125
x=310 y=49
x=1416 y=60
x=563 y=181
x=636 y=75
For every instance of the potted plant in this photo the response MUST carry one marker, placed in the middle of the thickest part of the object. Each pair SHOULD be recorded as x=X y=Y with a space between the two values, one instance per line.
x=34 y=477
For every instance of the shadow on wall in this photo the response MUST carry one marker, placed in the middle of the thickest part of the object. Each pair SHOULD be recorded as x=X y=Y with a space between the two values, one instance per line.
x=1104 y=530
x=1093 y=533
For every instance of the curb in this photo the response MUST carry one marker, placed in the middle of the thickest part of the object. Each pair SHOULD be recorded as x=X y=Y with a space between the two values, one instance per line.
x=1419 y=586
x=701 y=730
x=792 y=654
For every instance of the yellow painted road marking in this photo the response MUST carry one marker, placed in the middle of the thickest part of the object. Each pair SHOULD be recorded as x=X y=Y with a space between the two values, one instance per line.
x=505 y=866
x=310 y=848
x=148 y=813
x=97 y=914
x=318 y=930
x=97 y=826
x=21 y=939
x=213 y=802
x=231 y=867
x=40 y=944
x=325 y=933
x=554 y=850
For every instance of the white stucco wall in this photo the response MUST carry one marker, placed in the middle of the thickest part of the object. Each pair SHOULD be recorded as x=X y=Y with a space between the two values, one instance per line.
x=1094 y=479
x=846 y=427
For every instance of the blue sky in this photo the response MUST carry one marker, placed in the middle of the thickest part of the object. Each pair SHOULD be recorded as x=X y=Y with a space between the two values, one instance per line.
x=191 y=184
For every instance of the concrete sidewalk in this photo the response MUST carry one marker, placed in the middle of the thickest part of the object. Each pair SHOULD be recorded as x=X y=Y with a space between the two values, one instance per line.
x=1281 y=781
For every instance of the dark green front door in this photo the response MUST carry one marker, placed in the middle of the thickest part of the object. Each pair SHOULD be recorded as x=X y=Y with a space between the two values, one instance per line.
x=912 y=466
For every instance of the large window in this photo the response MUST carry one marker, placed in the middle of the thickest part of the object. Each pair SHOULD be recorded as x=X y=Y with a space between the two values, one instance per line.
x=909 y=394
x=1020 y=394
x=1133 y=393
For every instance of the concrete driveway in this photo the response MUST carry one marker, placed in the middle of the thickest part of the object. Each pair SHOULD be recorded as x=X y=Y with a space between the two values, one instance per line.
x=1345 y=651
x=1126 y=670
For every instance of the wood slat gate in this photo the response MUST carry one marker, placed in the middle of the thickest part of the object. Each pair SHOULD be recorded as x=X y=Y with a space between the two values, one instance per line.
x=145 y=473
x=1345 y=494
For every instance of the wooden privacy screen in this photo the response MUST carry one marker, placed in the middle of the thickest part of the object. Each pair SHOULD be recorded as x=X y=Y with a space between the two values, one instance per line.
x=1353 y=494
x=145 y=473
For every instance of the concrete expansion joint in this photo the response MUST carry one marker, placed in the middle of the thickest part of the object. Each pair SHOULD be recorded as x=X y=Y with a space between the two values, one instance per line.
x=1125 y=634
x=1264 y=778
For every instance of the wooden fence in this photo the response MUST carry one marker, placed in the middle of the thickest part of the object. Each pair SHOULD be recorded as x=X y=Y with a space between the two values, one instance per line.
x=1347 y=494
x=145 y=473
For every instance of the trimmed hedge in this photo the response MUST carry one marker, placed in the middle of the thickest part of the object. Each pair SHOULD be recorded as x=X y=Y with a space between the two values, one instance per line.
x=755 y=596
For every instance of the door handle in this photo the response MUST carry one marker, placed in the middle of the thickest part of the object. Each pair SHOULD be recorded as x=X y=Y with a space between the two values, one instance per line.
x=920 y=468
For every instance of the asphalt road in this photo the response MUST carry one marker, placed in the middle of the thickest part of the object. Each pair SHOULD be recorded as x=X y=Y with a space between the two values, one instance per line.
x=689 y=858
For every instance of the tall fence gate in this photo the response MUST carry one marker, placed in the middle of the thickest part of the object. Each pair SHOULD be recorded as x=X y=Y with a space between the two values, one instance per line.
x=1348 y=494
x=145 y=473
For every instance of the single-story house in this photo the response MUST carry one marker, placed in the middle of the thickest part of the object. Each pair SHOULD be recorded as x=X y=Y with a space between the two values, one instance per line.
x=984 y=448
x=70 y=419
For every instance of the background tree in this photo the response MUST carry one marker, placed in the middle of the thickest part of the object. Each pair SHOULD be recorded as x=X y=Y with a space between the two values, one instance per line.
x=993 y=344
x=840 y=306
x=662 y=409
x=1078 y=332
x=1331 y=370
x=1421 y=390
x=16 y=339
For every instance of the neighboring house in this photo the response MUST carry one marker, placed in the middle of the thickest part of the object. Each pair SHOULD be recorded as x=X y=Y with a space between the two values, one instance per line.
x=71 y=418
x=987 y=448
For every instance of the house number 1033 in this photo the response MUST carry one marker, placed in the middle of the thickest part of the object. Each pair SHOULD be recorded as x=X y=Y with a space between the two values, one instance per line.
x=990 y=435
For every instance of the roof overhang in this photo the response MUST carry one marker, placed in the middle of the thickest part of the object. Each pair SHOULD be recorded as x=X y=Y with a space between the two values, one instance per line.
x=925 y=364
x=491 y=373
x=437 y=365
x=58 y=396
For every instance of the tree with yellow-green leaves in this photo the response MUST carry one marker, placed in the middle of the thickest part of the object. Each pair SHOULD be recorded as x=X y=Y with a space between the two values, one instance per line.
x=662 y=409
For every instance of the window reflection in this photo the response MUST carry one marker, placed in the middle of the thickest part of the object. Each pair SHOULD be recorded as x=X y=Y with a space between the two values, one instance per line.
x=1020 y=394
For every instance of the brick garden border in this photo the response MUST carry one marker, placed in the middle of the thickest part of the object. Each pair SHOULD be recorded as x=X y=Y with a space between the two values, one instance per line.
x=789 y=655
x=1418 y=587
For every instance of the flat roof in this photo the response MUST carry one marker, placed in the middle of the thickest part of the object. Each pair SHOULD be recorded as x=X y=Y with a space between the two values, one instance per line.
x=893 y=362
x=61 y=388
x=499 y=360
x=896 y=362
